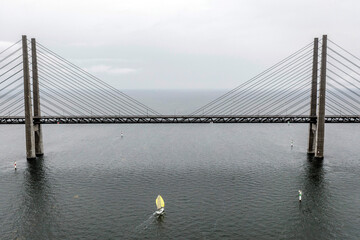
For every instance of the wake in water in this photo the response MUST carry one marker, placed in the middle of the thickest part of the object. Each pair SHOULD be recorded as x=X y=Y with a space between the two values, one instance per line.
x=144 y=225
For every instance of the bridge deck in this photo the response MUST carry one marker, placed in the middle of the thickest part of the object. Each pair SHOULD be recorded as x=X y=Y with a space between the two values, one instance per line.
x=162 y=119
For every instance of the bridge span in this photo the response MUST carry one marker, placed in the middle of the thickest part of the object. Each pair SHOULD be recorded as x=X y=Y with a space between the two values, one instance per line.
x=182 y=119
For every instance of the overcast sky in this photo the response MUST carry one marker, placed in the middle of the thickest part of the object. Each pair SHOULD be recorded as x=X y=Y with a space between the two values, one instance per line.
x=171 y=44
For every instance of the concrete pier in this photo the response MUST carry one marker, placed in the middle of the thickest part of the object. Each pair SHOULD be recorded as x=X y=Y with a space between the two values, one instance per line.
x=320 y=131
x=39 y=148
x=313 y=101
x=29 y=126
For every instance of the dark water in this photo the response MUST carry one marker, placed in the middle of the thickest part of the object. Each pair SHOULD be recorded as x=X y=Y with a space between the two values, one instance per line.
x=231 y=181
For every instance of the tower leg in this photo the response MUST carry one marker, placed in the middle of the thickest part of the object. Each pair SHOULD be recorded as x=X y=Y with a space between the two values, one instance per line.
x=312 y=125
x=320 y=131
x=39 y=147
x=29 y=125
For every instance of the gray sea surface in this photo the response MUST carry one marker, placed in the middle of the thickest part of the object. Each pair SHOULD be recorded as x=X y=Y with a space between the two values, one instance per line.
x=218 y=181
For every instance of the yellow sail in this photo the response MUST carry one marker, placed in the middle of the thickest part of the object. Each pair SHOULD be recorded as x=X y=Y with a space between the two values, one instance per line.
x=159 y=202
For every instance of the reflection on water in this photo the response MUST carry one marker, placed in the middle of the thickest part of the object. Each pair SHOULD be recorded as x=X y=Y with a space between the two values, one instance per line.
x=160 y=218
x=37 y=203
x=315 y=172
x=314 y=206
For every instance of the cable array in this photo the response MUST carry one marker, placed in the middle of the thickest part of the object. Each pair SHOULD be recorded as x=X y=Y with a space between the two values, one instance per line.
x=11 y=81
x=68 y=90
x=283 y=89
x=343 y=81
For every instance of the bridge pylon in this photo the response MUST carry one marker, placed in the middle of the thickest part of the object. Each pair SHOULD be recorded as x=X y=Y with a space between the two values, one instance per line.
x=39 y=147
x=320 y=130
x=29 y=125
x=313 y=102
x=33 y=132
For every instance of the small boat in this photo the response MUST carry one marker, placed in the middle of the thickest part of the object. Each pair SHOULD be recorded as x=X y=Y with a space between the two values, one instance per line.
x=160 y=205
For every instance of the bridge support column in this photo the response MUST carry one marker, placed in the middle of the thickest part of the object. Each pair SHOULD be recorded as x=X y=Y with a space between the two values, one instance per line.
x=29 y=126
x=39 y=148
x=320 y=131
x=313 y=103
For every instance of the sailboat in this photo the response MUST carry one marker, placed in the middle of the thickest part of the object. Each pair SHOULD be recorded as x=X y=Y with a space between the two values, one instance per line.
x=160 y=205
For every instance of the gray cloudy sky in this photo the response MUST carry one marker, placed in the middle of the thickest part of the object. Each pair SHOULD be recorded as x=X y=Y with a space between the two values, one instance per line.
x=178 y=44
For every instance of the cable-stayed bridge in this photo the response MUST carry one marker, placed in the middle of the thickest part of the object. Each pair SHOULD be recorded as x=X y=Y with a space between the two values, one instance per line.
x=319 y=83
